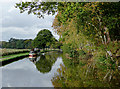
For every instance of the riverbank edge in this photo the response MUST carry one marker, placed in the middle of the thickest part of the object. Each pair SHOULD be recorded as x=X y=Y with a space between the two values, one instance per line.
x=20 y=56
x=12 y=59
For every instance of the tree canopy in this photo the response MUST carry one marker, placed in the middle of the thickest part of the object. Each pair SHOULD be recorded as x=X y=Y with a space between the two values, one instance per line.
x=44 y=38
x=80 y=23
x=95 y=15
x=37 y=8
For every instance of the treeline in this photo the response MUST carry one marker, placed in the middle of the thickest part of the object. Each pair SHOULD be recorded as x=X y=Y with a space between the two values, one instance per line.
x=16 y=44
x=44 y=39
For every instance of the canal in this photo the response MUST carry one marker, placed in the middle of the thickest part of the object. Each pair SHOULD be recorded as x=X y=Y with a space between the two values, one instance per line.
x=26 y=73
x=54 y=69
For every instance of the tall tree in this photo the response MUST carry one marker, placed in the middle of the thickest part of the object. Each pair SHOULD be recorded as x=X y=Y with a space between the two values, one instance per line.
x=89 y=20
x=43 y=37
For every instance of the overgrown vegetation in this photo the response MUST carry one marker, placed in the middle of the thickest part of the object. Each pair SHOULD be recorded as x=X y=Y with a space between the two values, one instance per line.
x=88 y=31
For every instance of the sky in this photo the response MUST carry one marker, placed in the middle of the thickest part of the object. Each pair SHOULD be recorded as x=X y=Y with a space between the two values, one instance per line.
x=13 y=24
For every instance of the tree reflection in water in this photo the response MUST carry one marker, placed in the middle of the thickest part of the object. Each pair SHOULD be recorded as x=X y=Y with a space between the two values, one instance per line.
x=85 y=74
x=44 y=64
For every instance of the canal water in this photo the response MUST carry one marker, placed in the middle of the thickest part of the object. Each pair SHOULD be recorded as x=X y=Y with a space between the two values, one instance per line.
x=27 y=73
x=53 y=69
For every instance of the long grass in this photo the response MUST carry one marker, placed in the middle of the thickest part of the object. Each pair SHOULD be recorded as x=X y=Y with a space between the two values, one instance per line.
x=15 y=56
x=5 y=52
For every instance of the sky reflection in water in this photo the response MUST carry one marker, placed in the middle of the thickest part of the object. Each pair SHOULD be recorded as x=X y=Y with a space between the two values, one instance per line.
x=24 y=73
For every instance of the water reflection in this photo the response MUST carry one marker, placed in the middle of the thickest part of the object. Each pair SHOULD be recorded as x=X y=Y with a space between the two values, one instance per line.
x=33 y=60
x=24 y=73
x=45 y=62
x=43 y=65
x=75 y=73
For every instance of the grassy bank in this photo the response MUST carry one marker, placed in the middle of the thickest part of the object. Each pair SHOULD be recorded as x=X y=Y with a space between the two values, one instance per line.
x=14 y=56
x=10 y=55
x=6 y=52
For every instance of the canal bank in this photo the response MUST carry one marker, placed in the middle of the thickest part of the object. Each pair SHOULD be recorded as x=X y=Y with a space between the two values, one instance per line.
x=25 y=73
x=14 y=57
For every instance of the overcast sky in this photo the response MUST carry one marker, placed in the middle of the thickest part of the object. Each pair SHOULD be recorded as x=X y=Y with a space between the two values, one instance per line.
x=21 y=26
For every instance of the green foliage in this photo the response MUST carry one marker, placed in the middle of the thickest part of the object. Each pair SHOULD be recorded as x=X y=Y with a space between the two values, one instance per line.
x=102 y=62
x=66 y=48
x=67 y=62
x=17 y=44
x=43 y=38
x=105 y=63
x=93 y=16
x=37 y=8
x=81 y=52
x=85 y=29
x=73 y=53
x=82 y=63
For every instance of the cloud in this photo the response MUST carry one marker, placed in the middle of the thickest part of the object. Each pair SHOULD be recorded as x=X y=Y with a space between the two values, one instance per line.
x=11 y=9
x=19 y=33
x=14 y=18
x=23 y=33
x=22 y=26
x=9 y=1
x=16 y=32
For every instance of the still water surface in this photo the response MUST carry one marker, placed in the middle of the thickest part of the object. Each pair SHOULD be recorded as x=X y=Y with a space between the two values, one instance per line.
x=25 y=73
x=41 y=72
